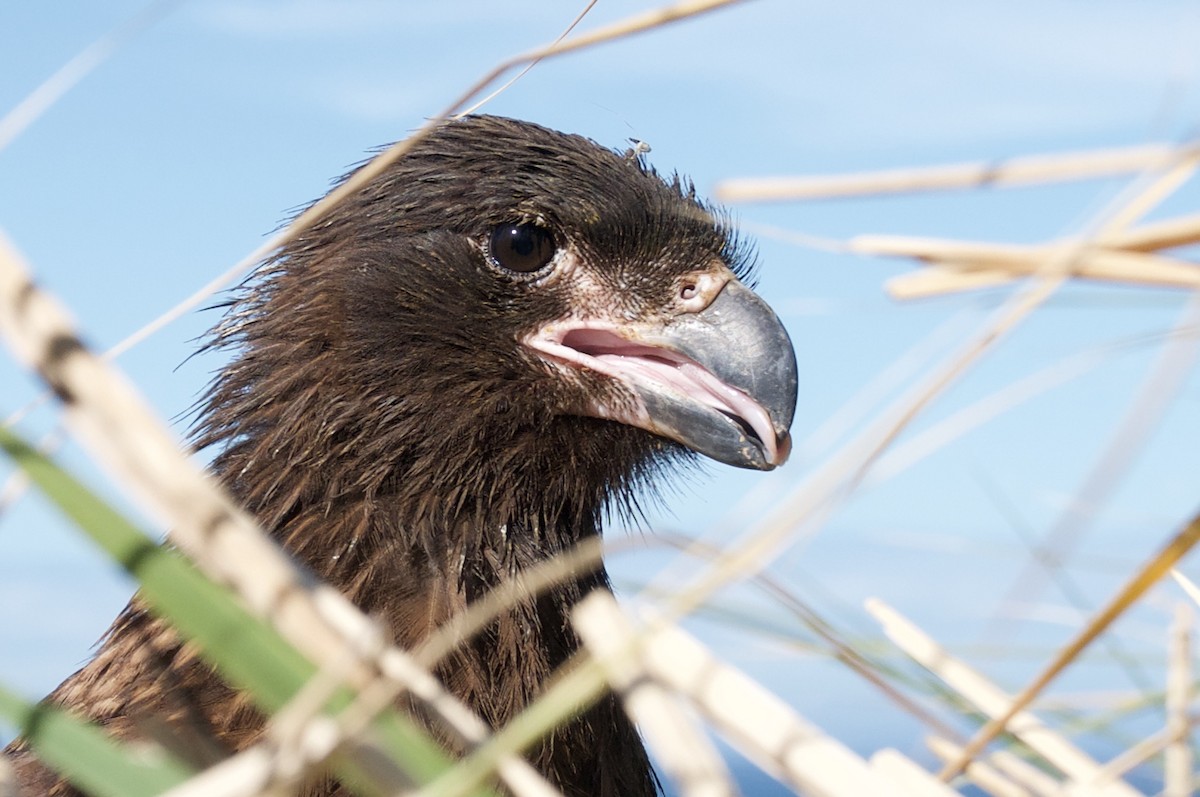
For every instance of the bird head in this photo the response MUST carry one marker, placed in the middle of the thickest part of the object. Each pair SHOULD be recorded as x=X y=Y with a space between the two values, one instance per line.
x=505 y=292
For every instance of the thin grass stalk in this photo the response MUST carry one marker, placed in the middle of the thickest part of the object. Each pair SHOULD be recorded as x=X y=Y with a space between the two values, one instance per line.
x=532 y=63
x=1177 y=758
x=301 y=737
x=580 y=683
x=1134 y=756
x=66 y=77
x=852 y=412
x=1001 y=773
x=958 y=424
x=526 y=585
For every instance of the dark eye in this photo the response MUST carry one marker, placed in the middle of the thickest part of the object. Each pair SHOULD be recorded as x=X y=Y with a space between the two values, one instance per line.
x=523 y=248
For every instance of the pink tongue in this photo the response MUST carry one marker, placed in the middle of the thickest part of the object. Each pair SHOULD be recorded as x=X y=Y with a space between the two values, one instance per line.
x=676 y=372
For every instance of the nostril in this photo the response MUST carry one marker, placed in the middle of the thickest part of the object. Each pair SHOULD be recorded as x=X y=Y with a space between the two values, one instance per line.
x=697 y=290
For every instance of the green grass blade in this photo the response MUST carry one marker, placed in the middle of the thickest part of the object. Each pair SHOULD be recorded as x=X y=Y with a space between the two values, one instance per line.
x=92 y=760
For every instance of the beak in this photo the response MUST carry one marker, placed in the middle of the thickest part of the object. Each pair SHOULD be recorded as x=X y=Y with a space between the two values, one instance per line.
x=721 y=381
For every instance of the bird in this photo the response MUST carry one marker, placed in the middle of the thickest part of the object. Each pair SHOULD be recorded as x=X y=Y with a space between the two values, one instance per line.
x=506 y=339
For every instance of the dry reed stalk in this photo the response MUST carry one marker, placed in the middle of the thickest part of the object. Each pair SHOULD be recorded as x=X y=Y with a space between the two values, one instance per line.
x=1156 y=184
x=681 y=748
x=991 y=700
x=1131 y=268
x=962 y=265
x=271 y=768
x=939 y=280
x=991 y=264
x=983 y=774
x=1165 y=234
x=1026 y=170
x=937 y=250
x=1177 y=759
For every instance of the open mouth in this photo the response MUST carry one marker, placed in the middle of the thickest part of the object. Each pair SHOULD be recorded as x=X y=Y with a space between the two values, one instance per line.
x=658 y=376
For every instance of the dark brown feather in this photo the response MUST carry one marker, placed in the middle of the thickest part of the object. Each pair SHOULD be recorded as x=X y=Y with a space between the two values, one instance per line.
x=380 y=420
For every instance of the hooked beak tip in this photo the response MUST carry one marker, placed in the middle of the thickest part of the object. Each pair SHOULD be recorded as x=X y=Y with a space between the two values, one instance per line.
x=783 y=449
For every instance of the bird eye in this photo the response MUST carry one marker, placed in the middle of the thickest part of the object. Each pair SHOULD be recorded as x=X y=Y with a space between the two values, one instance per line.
x=523 y=248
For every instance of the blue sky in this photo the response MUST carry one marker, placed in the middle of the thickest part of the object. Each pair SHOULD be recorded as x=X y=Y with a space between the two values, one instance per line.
x=173 y=160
